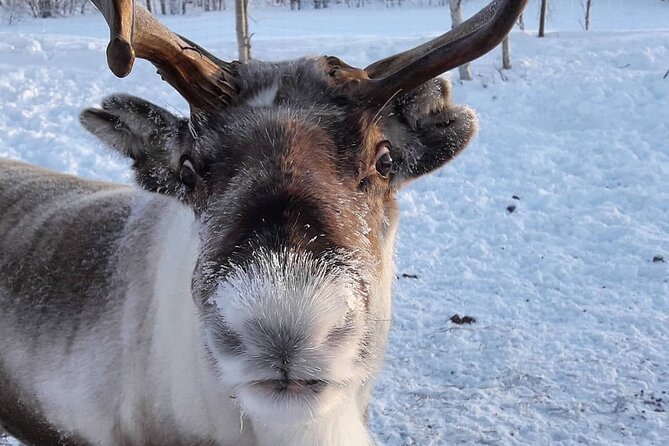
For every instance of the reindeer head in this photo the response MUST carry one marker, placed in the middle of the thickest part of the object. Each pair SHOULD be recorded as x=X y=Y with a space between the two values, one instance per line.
x=291 y=170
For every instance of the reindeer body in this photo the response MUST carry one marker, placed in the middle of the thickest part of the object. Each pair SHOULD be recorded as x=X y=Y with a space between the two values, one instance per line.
x=72 y=300
x=241 y=295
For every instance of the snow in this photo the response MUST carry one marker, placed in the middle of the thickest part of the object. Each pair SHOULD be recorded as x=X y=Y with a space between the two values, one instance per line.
x=571 y=342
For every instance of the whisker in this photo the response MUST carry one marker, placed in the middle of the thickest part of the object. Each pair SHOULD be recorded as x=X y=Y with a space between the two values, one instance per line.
x=377 y=116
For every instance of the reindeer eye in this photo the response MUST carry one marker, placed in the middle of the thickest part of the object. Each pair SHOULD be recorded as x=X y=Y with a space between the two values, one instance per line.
x=187 y=175
x=384 y=162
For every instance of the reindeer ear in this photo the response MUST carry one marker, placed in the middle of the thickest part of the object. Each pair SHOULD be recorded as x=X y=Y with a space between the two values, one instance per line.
x=130 y=125
x=151 y=136
x=432 y=131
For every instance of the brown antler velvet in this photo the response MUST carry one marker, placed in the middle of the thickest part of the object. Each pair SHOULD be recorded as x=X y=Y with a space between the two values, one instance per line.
x=466 y=42
x=207 y=83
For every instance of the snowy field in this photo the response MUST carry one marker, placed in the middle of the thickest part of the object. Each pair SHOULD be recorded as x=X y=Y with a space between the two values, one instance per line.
x=552 y=230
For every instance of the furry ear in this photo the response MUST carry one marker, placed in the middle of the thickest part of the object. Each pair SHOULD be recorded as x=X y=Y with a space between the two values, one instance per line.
x=130 y=125
x=431 y=131
x=151 y=136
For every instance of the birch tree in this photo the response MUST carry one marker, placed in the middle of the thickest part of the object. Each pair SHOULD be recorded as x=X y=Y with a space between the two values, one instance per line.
x=243 y=37
x=587 y=7
x=457 y=18
x=542 y=17
x=506 y=53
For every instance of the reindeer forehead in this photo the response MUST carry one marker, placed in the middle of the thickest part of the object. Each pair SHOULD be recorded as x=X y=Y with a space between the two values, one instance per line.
x=304 y=82
x=281 y=152
x=290 y=115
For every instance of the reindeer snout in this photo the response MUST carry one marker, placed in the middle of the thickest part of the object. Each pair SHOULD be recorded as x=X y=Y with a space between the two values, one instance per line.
x=285 y=341
x=288 y=328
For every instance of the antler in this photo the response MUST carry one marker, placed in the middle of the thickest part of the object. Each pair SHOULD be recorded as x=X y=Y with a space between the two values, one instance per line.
x=206 y=82
x=466 y=42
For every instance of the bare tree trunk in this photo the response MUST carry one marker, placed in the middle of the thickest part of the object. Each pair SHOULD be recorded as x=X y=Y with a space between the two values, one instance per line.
x=506 y=53
x=588 y=6
x=542 y=18
x=243 y=37
x=456 y=19
x=45 y=8
x=148 y=5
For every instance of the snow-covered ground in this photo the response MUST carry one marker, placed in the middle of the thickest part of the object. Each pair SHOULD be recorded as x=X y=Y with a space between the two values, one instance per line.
x=545 y=230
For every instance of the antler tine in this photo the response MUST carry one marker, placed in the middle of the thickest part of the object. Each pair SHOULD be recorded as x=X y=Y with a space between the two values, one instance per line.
x=206 y=82
x=466 y=42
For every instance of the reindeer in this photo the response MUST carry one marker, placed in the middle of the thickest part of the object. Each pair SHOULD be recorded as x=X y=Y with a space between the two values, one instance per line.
x=241 y=295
